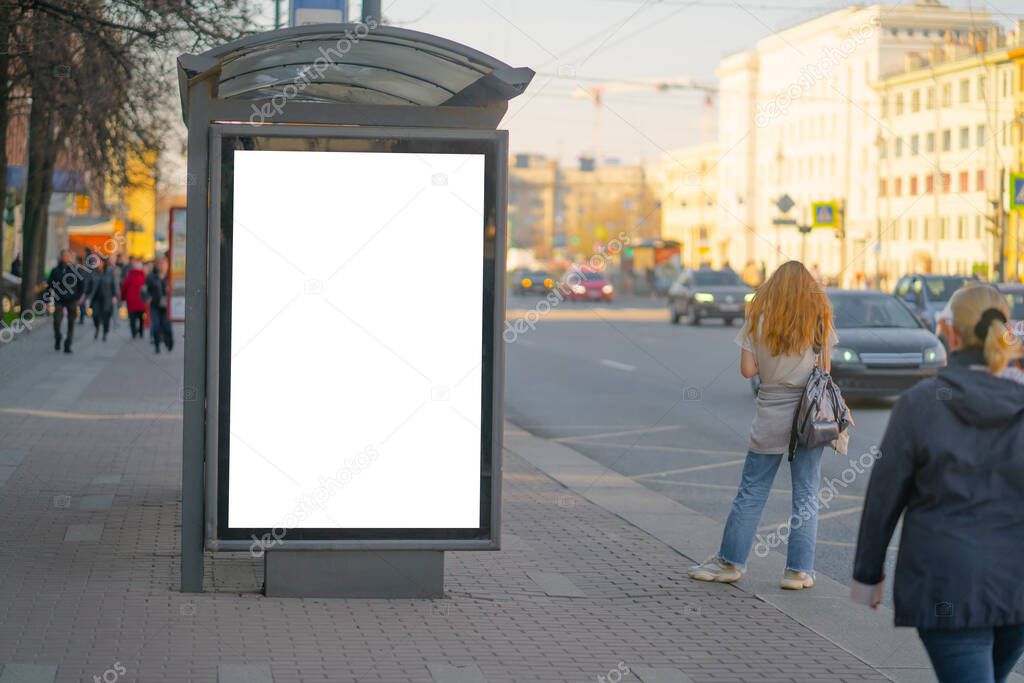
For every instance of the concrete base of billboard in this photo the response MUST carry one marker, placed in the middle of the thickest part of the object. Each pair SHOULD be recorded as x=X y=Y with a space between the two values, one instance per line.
x=354 y=574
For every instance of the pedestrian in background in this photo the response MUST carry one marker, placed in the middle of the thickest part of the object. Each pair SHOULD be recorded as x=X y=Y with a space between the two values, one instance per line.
x=952 y=462
x=66 y=286
x=86 y=265
x=131 y=293
x=16 y=265
x=104 y=297
x=157 y=289
x=751 y=274
x=788 y=330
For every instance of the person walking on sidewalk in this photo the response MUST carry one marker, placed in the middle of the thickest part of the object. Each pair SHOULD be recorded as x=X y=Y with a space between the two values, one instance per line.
x=156 y=287
x=104 y=297
x=131 y=294
x=788 y=329
x=66 y=287
x=952 y=462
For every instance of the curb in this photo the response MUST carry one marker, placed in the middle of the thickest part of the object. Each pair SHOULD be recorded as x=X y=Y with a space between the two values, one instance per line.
x=867 y=634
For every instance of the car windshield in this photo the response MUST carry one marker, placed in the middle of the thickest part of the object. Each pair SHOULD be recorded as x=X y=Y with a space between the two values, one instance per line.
x=871 y=310
x=591 y=276
x=1016 y=301
x=710 y=278
x=942 y=288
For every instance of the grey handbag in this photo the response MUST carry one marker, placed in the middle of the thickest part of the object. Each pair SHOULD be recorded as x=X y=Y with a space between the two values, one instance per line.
x=822 y=416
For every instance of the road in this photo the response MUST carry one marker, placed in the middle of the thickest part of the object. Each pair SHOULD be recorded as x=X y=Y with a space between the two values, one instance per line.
x=666 y=405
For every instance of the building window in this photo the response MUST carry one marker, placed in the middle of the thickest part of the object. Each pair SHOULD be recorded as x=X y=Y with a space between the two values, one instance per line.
x=945 y=182
x=961 y=227
x=910 y=229
x=947 y=140
x=883 y=149
x=944 y=228
x=947 y=95
x=981 y=88
x=929 y=185
x=899 y=104
x=927 y=228
x=980 y=137
x=899 y=148
x=977 y=227
x=897 y=187
x=1006 y=84
x=964 y=181
x=914 y=144
x=965 y=137
x=913 y=186
x=915 y=101
x=979 y=181
x=965 y=91
x=930 y=99
x=882 y=187
x=929 y=144
x=885 y=106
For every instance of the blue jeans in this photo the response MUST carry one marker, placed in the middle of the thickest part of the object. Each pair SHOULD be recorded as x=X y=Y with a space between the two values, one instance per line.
x=755 y=485
x=974 y=655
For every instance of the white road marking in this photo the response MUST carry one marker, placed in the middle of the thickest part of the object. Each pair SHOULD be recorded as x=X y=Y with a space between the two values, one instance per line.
x=644 y=430
x=699 y=451
x=695 y=468
x=617 y=365
x=733 y=487
x=827 y=515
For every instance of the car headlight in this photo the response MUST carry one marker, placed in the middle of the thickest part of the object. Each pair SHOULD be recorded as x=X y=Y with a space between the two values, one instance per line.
x=548 y=282
x=607 y=289
x=704 y=297
x=843 y=355
x=748 y=297
x=578 y=289
x=935 y=355
x=527 y=282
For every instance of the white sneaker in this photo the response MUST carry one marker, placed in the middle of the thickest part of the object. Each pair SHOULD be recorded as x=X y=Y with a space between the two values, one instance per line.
x=715 y=569
x=796 y=581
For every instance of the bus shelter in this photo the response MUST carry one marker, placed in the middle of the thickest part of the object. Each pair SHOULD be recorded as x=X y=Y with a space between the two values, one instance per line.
x=344 y=296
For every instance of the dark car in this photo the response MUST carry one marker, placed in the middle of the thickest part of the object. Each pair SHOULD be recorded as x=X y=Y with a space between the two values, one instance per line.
x=586 y=284
x=534 y=282
x=1014 y=294
x=927 y=295
x=700 y=294
x=883 y=349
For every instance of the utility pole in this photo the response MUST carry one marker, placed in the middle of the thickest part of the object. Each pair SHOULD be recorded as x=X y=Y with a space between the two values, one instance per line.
x=371 y=11
x=277 y=14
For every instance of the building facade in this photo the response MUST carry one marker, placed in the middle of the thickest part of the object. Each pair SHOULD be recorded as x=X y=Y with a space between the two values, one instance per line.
x=689 y=205
x=801 y=115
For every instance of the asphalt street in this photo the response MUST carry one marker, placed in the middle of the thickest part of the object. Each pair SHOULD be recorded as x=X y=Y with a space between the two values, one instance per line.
x=666 y=405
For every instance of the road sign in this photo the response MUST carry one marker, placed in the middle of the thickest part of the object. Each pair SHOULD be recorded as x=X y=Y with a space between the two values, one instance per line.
x=785 y=203
x=1017 y=191
x=303 y=12
x=783 y=221
x=824 y=214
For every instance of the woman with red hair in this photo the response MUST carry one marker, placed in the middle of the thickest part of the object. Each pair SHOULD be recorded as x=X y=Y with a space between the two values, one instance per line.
x=788 y=330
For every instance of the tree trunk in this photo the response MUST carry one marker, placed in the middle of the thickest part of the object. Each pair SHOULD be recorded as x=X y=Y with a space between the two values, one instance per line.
x=42 y=157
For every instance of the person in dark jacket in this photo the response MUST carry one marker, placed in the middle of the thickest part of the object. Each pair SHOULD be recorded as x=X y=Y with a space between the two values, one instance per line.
x=104 y=297
x=16 y=265
x=156 y=287
x=131 y=293
x=88 y=266
x=952 y=462
x=66 y=289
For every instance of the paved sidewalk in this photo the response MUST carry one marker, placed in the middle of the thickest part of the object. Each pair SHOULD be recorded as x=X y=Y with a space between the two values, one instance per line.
x=89 y=505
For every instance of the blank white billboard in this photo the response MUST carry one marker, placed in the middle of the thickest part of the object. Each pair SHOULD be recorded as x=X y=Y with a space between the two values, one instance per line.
x=355 y=340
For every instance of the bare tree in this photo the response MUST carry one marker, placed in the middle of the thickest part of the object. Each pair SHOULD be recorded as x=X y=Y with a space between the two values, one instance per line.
x=100 y=75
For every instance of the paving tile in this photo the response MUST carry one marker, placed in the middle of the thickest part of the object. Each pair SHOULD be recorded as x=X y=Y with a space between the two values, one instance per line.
x=244 y=673
x=96 y=501
x=28 y=673
x=103 y=479
x=556 y=585
x=6 y=472
x=83 y=532
x=12 y=457
x=449 y=673
x=648 y=674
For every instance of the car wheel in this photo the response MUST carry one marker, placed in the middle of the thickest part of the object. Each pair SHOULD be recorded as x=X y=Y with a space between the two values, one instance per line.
x=692 y=316
x=728 y=321
x=673 y=313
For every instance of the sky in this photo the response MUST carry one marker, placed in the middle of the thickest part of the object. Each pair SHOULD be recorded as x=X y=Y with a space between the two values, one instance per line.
x=618 y=40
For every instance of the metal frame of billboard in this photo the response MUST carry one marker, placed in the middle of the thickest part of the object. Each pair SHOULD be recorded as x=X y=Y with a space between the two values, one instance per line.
x=476 y=110
x=487 y=536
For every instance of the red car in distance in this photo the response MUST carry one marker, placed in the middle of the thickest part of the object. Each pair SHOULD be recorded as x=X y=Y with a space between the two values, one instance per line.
x=586 y=284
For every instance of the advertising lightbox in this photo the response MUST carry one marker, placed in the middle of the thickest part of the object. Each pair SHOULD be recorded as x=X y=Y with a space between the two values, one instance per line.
x=356 y=338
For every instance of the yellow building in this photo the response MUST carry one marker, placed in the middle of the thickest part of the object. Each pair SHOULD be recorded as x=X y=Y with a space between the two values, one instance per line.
x=1014 y=243
x=139 y=206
